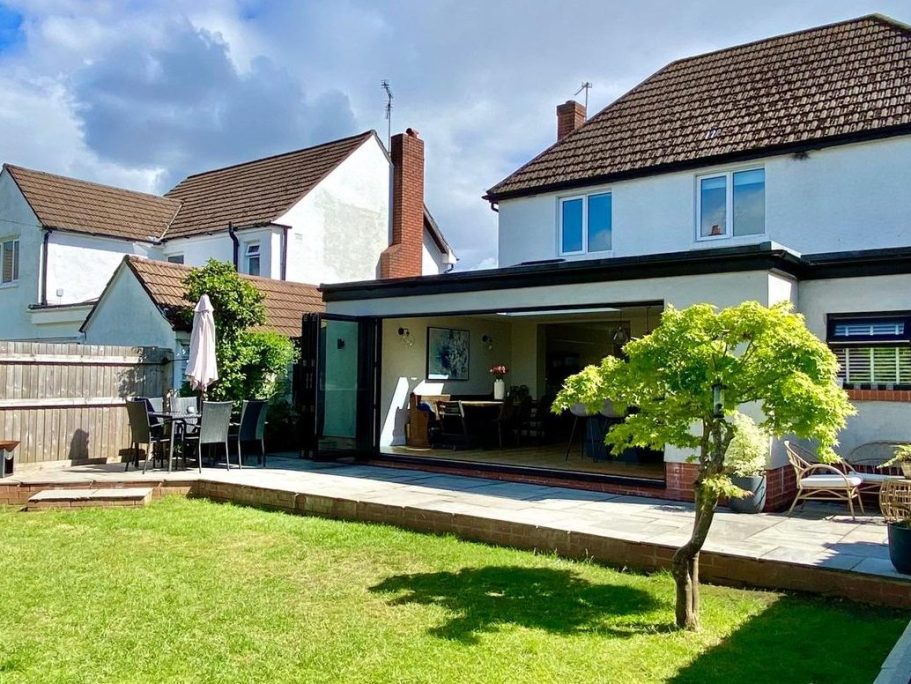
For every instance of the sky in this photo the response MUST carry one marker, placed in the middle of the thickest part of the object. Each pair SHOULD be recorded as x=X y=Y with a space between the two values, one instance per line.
x=140 y=93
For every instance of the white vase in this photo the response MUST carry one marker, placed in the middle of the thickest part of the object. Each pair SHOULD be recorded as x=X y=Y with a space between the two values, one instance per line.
x=499 y=390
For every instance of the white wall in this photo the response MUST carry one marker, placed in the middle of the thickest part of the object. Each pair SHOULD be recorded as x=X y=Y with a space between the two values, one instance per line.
x=342 y=226
x=404 y=367
x=841 y=198
x=197 y=250
x=81 y=265
x=431 y=257
x=18 y=220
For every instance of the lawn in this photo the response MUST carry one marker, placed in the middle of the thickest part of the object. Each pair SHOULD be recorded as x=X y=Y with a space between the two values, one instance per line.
x=188 y=590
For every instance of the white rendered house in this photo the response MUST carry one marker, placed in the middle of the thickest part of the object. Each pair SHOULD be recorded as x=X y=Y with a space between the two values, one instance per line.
x=778 y=170
x=321 y=214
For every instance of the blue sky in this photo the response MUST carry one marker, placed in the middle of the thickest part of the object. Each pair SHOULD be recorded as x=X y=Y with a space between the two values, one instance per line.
x=139 y=93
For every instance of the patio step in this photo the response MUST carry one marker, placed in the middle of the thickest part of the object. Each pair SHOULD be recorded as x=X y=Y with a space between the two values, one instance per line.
x=82 y=498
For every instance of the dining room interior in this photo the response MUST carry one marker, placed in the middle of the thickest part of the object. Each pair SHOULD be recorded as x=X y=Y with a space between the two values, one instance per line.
x=440 y=400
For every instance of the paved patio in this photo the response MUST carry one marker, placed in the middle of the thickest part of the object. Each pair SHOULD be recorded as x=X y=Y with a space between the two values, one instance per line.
x=822 y=536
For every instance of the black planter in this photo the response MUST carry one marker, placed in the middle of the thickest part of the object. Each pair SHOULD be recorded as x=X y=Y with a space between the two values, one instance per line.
x=755 y=501
x=900 y=546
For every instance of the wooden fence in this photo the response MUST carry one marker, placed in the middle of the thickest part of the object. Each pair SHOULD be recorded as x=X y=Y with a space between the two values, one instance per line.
x=65 y=403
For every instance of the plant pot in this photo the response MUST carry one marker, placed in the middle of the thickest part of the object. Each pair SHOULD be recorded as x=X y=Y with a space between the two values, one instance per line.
x=499 y=390
x=754 y=502
x=900 y=546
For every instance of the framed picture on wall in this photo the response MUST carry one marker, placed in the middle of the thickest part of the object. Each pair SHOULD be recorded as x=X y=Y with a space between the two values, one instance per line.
x=448 y=354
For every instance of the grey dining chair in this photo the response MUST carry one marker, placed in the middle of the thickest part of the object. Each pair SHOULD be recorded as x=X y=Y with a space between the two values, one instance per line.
x=214 y=423
x=143 y=431
x=252 y=428
x=186 y=405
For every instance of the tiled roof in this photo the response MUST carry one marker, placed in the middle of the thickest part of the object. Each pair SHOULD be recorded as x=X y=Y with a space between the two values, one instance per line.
x=257 y=192
x=83 y=207
x=831 y=83
x=285 y=302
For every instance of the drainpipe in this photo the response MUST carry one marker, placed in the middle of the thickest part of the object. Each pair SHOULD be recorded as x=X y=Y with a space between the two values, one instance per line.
x=232 y=234
x=284 y=256
x=44 y=251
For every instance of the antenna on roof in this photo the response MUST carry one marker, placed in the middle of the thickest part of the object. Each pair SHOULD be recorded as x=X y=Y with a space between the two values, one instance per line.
x=586 y=86
x=385 y=84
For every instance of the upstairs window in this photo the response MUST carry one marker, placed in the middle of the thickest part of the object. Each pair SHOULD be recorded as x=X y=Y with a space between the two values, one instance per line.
x=175 y=258
x=586 y=224
x=731 y=203
x=9 y=261
x=251 y=255
x=872 y=349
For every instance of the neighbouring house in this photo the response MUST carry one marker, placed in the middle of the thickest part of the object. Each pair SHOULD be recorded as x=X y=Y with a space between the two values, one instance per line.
x=345 y=210
x=777 y=170
x=150 y=294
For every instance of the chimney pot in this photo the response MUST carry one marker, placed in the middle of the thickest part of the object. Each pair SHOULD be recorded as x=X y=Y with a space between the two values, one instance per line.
x=570 y=115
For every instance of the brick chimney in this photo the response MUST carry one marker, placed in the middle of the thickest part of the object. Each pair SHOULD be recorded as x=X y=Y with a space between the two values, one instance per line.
x=404 y=256
x=570 y=115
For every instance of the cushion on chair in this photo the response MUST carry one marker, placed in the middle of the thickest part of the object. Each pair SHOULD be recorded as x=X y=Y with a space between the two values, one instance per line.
x=829 y=481
x=878 y=477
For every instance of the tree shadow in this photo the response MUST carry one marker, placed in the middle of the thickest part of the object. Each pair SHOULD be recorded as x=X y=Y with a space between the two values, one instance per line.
x=559 y=601
x=799 y=639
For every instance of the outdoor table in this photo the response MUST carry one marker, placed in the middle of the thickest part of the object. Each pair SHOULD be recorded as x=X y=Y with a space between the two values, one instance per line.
x=178 y=420
x=6 y=456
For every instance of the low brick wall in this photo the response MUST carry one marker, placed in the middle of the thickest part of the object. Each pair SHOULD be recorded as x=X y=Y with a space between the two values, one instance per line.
x=15 y=494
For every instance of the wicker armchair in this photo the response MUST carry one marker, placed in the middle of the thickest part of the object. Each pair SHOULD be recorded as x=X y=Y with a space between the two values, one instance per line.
x=822 y=481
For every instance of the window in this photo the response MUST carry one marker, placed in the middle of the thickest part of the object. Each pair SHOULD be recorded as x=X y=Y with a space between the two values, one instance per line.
x=175 y=258
x=872 y=349
x=9 y=261
x=586 y=224
x=731 y=203
x=252 y=256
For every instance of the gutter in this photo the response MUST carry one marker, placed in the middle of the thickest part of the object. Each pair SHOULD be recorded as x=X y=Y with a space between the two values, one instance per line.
x=236 y=250
x=44 y=252
x=283 y=266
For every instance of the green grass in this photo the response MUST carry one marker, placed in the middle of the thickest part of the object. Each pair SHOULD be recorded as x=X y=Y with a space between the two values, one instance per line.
x=188 y=590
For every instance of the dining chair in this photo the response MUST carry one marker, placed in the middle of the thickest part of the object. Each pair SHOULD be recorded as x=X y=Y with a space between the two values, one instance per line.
x=579 y=412
x=453 y=429
x=251 y=428
x=214 y=423
x=822 y=481
x=143 y=431
x=186 y=404
x=505 y=420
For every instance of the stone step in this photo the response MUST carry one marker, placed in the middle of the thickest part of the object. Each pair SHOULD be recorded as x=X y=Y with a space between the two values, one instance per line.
x=81 y=498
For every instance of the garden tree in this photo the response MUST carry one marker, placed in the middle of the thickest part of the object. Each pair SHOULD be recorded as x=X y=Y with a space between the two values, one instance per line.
x=250 y=362
x=756 y=354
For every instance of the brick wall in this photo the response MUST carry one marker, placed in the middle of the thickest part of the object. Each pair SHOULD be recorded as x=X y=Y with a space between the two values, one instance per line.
x=404 y=256
x=570 y=115
x=878 y=395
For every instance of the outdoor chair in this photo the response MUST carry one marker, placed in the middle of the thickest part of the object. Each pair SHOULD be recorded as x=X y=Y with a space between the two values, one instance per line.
x=872 y=482
x=251 y=428
x=185 y=405
x=143 y=431
x=214 y=424
x=821 y=481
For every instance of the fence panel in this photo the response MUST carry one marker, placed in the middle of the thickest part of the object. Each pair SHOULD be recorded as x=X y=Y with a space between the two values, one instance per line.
x=65 y=403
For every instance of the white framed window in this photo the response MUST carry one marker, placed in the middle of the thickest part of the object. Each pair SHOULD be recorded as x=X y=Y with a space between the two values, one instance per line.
x=175 y=258
x=252 y=258
x=730 y=204
x=586 y=224
x=9 y=261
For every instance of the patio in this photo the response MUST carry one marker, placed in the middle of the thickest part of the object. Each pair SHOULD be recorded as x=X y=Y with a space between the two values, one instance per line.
x=820 y=549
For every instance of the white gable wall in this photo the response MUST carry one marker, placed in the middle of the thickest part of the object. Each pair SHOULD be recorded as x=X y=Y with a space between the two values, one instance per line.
x=17 y=220
x=341 y=227
x=848 y=197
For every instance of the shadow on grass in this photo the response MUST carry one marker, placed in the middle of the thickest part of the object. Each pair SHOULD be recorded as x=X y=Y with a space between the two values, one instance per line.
x=557 y=601
x=801 y=640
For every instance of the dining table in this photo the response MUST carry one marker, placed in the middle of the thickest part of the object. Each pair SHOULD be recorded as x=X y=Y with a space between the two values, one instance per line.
x=178 y=421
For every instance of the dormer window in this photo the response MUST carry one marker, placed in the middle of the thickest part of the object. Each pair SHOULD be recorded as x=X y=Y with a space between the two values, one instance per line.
x=730 y=204
x=586 y=224
x=252 y=256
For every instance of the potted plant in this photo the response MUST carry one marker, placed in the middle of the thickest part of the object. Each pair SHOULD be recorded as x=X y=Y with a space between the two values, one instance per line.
x=499 y=387
x=895 y=502
x=745 y=463
x=901 y=457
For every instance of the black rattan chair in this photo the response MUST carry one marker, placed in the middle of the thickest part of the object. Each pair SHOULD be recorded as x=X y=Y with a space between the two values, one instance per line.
x=251 y=428
x=143 y=431
x=214 y=423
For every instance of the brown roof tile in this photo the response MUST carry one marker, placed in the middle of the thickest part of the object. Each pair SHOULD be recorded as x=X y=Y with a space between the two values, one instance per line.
x=831 y=82
x=83 y=207
x=285 y=302
x=256 y=192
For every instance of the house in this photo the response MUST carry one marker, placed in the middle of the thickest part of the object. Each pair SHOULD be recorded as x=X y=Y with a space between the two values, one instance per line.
x=340 y=211
x=150 y=294
x=773 y=171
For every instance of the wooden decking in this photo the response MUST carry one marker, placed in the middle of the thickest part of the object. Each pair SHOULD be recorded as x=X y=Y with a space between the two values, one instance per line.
x=552 y=457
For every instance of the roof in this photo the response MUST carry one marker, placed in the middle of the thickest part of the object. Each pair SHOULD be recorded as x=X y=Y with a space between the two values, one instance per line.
x=83 y=207
x=830 y=84
x=257 y=192
x=285 y=302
